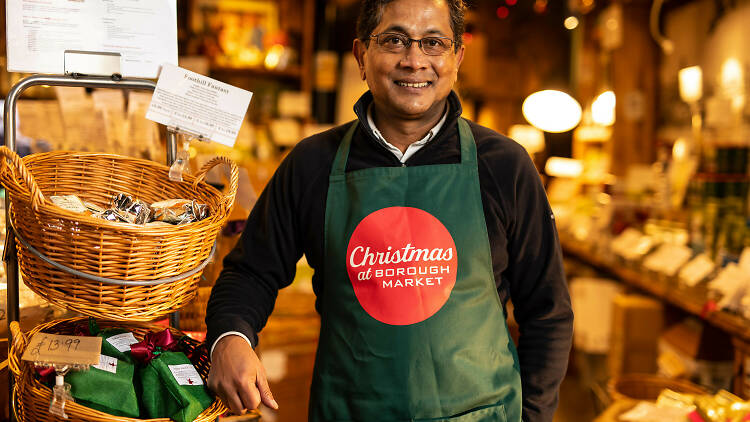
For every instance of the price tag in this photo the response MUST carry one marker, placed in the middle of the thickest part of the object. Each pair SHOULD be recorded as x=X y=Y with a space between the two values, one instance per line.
x=72 y=350
x=198 y=104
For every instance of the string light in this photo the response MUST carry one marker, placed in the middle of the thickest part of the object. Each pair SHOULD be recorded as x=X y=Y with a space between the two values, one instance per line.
x=511 y=2
x=502 y=12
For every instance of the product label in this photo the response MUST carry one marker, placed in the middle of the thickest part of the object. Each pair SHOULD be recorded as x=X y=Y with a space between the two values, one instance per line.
x=122 y=342
x=107 y=363
x=69 y=202
x=186 y=374
x=402 y=263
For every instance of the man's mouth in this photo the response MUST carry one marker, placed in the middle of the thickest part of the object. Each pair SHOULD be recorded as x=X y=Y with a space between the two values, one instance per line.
x=413 y=84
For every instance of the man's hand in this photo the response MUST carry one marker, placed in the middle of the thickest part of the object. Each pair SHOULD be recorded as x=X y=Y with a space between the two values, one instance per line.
x=238 y=377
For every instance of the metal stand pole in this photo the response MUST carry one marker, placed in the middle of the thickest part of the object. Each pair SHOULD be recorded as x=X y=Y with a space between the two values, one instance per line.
x=11 y=262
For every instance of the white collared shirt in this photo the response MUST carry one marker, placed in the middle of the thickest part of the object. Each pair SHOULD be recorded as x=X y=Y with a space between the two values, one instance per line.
x=411 y=149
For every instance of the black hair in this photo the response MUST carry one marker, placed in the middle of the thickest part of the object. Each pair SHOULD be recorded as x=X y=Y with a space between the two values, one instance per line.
x=371 y=11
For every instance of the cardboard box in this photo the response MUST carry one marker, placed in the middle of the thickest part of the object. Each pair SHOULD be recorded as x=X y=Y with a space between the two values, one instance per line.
x=637 y=322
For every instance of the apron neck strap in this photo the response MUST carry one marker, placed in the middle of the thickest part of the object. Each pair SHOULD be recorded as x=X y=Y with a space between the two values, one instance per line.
x=468 y=147
x=339 y=163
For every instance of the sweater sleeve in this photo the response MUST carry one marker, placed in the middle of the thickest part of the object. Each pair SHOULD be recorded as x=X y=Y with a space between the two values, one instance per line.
x=263 y=261
x=538 y=291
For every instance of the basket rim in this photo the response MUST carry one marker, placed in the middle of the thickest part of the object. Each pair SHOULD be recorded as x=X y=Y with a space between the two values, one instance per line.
x=22 y=197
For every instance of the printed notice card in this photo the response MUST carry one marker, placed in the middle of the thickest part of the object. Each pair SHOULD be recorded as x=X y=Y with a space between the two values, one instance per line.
x=39 y=32
x=199 y=104
x=53 y=348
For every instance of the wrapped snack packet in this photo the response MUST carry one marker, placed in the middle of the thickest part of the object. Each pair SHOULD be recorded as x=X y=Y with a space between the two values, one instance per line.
x=70 y=203
x=130 y=209
x=171 y=386
x=178 y=211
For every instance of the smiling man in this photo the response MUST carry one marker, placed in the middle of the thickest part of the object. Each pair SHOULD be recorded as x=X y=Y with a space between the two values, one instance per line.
x=407 y=191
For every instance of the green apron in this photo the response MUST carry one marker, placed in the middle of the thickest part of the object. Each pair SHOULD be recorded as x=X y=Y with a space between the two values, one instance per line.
x=412 y=326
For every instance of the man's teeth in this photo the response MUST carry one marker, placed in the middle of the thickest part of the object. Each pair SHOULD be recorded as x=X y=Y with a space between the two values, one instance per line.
x=415 y=85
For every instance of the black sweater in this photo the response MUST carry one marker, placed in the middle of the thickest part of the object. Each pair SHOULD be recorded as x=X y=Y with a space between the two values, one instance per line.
x=288 y=220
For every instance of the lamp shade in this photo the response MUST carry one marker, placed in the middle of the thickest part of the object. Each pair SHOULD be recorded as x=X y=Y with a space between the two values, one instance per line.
x=552 y=111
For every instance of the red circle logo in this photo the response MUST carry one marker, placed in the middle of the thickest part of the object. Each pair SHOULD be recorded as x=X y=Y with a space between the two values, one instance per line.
x=402 y=263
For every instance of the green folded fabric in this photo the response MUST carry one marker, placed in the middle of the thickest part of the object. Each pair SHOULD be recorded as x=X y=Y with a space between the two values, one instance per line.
x=172 y=388
x=108 y=387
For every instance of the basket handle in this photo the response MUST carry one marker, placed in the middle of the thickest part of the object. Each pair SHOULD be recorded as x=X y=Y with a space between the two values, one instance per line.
x=233 y=178
x=37 y=198
x=19 y=345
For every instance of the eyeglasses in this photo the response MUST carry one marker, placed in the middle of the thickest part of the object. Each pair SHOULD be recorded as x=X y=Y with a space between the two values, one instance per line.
x=398 y=43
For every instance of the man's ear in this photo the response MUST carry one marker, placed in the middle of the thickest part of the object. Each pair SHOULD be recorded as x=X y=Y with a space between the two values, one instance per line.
x=359 y=49
x=460 y=56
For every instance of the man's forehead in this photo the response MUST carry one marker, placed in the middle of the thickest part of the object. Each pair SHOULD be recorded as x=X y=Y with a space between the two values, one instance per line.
x=420 y=17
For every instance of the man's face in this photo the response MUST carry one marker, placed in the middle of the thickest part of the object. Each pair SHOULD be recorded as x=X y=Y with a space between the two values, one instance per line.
x=410 y=84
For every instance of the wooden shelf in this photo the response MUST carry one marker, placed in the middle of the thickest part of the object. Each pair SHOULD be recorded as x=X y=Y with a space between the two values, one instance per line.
x=691 y=300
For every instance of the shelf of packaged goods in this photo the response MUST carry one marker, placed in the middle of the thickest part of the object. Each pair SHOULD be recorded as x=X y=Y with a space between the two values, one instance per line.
x=293 y=72
x=691 y=300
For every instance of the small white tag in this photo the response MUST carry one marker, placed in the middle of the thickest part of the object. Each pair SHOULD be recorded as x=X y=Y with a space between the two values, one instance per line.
x=122 y=342
x=107 y=363
x=186 y=374
x=198 y=104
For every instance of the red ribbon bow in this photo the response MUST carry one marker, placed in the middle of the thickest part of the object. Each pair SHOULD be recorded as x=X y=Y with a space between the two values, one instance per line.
x=153 y=345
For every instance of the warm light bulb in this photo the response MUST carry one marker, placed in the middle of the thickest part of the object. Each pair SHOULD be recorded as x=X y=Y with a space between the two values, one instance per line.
x=529 y=137
x=563 y=167
x=691 y=84
x=552 y=111
x=603 y=109
x=680 y=149
x=732 y=76
x=571 y=23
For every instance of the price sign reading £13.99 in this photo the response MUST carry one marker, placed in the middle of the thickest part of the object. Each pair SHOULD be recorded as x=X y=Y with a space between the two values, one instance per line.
x=198 y=104
x=71 y=350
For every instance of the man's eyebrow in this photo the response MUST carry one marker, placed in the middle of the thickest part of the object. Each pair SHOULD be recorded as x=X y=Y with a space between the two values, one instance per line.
x=401 y=29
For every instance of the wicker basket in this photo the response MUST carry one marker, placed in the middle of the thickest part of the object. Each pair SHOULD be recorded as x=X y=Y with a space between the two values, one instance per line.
x=33 y=397
x=104 y=269
x=648 y=387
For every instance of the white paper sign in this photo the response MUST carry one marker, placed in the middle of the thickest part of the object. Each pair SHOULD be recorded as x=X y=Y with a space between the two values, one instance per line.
x=144 y=32
x=696 y=270
x=186 y=374
x=122 y=342
x=107 y=363
x=199 y=104
x=668 y=259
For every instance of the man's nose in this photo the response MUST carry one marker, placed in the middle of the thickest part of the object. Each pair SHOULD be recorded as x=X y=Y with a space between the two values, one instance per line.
x=414 y=57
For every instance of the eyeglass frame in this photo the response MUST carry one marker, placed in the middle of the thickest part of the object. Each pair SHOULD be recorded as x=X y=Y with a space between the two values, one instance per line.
x=410 y=41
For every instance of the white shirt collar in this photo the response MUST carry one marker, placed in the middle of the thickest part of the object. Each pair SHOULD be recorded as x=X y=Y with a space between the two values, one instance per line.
x=411 y=149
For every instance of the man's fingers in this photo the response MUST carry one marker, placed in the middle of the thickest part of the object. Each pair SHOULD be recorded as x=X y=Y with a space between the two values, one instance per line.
x=265 y=391
x=249 y=394
x=232 y=400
